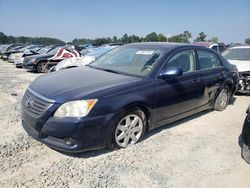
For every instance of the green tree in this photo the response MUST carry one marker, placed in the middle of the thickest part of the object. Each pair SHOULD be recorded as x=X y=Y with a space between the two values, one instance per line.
x=3 y=38
x=124 y=38
x=162 y=38
x=81 y=41
x=213 y=39
x=133 y=38
x=114 y=39
x=201 y=37
x=186 y=36
x=175 y=38
x=152 y=37
x=247 y=41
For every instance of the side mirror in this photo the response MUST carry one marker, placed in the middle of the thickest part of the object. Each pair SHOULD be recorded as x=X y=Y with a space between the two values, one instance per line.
x=171 y=72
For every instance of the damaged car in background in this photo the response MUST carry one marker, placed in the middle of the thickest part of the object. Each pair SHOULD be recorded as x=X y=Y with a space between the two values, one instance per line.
x=61 y=54
x=37 y=62
x=83 y=60
x=240 y=56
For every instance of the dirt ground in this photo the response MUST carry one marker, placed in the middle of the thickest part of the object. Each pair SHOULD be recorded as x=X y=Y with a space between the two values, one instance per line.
x=200 y=151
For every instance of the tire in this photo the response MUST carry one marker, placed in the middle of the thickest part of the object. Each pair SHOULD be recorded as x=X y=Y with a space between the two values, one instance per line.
x=222 y=99
x=40 y=66
x=124 y=132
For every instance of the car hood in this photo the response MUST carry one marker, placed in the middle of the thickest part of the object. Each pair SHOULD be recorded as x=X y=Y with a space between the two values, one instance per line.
x=38 y=56
x=241 y=65
x=77 y=83
x=75 y=61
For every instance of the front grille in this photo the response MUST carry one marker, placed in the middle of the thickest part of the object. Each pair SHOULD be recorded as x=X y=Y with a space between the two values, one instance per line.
x=245 y=74
x=35 y=104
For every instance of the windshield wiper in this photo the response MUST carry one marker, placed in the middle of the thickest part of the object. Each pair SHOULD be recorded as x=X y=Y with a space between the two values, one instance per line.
x=108 y=70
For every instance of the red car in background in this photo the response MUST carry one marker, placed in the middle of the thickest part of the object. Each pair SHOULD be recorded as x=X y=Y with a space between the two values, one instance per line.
x=61 y=54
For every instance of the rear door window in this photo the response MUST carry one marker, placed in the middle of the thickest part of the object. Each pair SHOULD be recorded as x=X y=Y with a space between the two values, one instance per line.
x=208 y=60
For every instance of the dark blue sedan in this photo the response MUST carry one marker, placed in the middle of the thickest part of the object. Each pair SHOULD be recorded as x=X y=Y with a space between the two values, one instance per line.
x=124 y=93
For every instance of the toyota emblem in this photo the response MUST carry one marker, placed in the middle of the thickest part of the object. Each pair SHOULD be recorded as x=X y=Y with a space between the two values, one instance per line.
x=28 y=102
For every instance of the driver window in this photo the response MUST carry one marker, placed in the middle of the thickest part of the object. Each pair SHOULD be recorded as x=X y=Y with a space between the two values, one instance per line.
x=184 y=59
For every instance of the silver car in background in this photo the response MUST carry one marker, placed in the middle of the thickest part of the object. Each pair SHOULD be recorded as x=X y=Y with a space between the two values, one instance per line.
x=240 y=56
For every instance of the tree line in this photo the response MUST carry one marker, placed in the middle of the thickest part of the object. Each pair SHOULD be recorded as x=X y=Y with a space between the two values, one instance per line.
x=184 y=37
x=151 y=37
x=4 y=39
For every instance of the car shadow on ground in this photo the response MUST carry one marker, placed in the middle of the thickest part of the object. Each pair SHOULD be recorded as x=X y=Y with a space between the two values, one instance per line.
x=242 y=94
x=174 y=124
x=232 y=100
x=85 y=154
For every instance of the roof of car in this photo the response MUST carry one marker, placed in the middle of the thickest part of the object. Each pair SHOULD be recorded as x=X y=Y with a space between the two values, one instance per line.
x=240 y=47
x=205 y=44
x=165 y=45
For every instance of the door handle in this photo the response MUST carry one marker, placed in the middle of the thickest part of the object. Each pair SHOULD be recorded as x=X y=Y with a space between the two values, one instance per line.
x=196 y=81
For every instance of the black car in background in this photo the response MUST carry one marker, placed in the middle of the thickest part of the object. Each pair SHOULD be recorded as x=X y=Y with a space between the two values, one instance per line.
x=246 y=137
x=7 y=47
x=126 y=92
x=37 y=62
x=7 y=53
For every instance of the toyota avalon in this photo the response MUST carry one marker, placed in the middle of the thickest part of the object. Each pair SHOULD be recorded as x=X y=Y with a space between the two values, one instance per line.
x=124 y=93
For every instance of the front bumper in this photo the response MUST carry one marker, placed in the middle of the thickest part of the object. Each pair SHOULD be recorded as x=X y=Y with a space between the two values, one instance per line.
x=18 y=63
x=29 y=66
x=244 y=82
x=69 y=134
x=5 y=57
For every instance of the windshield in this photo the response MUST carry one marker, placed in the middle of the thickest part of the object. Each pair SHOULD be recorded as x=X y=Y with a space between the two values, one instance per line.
x=128 y=60
x=23 y=48
x=99 y=51
x=237 y=54
x=54 y=50
x=43 y=50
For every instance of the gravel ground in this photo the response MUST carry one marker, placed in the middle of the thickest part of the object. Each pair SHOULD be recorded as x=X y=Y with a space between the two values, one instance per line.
x=199 y=151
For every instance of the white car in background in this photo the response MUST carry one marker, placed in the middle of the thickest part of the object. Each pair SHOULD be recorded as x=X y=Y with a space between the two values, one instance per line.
x=240 y=56
x=82 y=61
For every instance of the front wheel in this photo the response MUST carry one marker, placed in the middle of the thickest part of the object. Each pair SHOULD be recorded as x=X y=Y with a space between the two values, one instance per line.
x=221 y=101
x=40 y=67
x=128 y=129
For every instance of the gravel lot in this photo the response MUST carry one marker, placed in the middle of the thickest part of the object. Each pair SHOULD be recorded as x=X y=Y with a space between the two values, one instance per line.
x=200 y=151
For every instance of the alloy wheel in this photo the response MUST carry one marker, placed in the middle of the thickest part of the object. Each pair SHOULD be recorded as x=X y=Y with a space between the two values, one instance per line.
x=224 y=98
x=40 y=67
x=129 y=130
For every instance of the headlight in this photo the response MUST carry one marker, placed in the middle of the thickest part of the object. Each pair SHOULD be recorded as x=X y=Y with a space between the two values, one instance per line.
x=75 y=108
x=32 y=60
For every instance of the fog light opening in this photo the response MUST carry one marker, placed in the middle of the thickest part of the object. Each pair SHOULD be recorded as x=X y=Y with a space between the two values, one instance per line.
x=70 y=141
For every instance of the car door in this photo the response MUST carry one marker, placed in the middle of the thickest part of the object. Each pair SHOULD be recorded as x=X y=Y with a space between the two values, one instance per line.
x=212 y=75
x=176 y=96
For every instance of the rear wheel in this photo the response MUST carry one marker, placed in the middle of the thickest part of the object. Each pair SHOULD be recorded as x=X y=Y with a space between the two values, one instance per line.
x=128 y=129
x=221 y=101
x=40 y=67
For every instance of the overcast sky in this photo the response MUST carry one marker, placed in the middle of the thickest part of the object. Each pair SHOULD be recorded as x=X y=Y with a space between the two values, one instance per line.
x=228 y=20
